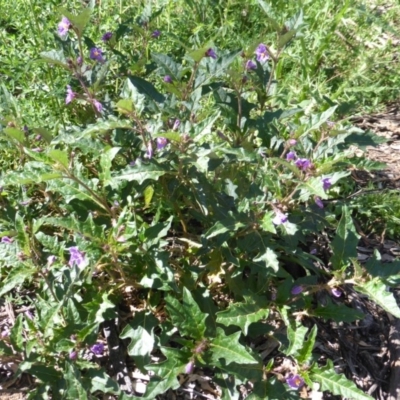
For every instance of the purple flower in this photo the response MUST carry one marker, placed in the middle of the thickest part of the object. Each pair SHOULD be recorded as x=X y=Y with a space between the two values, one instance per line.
x=292 y=142
x=291 y=156
x=330 y=124
x=250 y=64
x=189 y=367
x=5 y=333
x=176 y=125
x=64 y=26
x=326 y=183
x=73 y=355
x=97 y=349
x=295 y=381
x=96 y=54
x=280 y=218
x=156 y=34
x=38 y=137
x=303 y=163
x=98 y=105
x=167 y=79
x=262 y=53
x=70 y=95
x=79 y=61
x=149 y=152
x=319 y=202
x=313 y=251
x=132 y=163
x=161 y=143
x=6 y=239
x=336 y=292
x=50 y=260
x=297 y=289
x=29 y=314
x=77 y=257
x=211 y=53
x=107 y=36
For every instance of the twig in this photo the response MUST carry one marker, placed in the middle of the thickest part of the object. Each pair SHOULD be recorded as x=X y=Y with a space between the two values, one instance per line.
x=198 y=393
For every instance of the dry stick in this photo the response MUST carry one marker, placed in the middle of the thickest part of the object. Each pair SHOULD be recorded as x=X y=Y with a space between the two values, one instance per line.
x=117 y=356
x=394 y=350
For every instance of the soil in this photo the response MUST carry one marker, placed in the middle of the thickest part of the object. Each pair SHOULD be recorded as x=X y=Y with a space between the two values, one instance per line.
x=366 y=351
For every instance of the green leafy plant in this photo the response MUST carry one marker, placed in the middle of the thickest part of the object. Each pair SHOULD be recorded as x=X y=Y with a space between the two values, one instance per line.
x=177 y=179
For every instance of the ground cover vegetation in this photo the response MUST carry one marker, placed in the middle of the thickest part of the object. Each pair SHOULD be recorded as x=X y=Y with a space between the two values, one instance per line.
x=175 y=178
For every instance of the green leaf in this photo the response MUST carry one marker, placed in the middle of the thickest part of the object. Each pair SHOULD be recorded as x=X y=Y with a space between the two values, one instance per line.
x=344 y=244
x=154 y=233
x=59 y=156
x=99 y=128
x=198 y=54
x=377 y=268
x=73 y=380
x=285 y=38
x=187 y=316
x=268 y=11
x=318 y=119
x=362 y=139
x=266 y=223
x=16 y=335
x=270 y=259
x=166 y=373
x=33 y=172
x=78 y=21
x=221 y=227
x=244 y=372
x=312 y=187
x=229 y=348
x=158 y=274
x=204 y=127
x=22 y=235
x=216 y=68
x=140 y=172
x=338 y=313
x=148 y=195
x=335 y=383
x=296 y=334
x=43 y=372
x=169 y=66
x=105 y=311
x=141 y=345
x=71 y=189
x=16 y=134
x=125 y=106
x=6 y=350
x=305 y=353
x=147 y=89
x=54 y=57
x=376 y=291
x=244 y=314
x=91 y=230
x=106 y=159
x=100 y=381
x=129 y=91
x=16 y=276
x=44 y=133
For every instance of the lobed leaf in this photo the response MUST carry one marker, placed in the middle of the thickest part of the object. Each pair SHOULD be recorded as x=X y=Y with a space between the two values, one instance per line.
x=337 y=384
